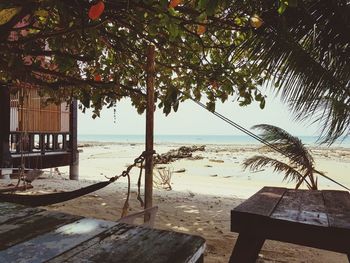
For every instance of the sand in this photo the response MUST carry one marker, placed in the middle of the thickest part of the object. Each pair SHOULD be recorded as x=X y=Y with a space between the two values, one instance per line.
x=204 y=190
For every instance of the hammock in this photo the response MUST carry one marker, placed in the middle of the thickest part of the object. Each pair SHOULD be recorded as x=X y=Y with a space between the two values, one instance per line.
x=54 y=198
x=49 y=199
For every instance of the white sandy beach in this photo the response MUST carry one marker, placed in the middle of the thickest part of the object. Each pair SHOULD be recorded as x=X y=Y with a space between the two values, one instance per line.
x=212 y=184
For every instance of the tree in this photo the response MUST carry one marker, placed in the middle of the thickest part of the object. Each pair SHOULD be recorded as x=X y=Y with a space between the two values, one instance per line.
x=59 y=49
x=305 y=50
x=300 y=167
x=211 y=48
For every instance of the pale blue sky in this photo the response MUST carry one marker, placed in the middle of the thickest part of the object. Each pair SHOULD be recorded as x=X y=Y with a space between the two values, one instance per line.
x=193 y=120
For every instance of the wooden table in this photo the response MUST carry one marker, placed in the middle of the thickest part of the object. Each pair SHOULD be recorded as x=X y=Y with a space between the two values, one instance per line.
x=35 y=235
x=319 y=219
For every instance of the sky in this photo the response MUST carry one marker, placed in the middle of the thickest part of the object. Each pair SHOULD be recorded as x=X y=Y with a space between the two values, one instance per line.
x=190 y=119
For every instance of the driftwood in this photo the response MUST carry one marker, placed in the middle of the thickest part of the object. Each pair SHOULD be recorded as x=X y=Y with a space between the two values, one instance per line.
x=180 y=153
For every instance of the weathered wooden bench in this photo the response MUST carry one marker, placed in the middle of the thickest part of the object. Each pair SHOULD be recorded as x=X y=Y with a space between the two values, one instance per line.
x=36 y=235
x=319 y=219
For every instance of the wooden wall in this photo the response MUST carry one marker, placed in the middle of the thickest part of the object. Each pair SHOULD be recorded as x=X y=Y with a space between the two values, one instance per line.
x=65 y=117
x=35 y=116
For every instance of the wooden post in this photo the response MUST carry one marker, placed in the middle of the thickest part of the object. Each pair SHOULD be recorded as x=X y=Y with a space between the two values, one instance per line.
x=73 y=141
x=42 y=143
x=150 y=70
x=5 y=155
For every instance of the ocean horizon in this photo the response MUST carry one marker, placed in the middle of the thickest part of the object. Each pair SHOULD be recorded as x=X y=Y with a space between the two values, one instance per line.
x=197 y=139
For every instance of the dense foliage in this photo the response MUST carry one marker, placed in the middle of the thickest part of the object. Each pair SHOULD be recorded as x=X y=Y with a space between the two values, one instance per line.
x=307 y=52
x=103 y=59
x=95 y=51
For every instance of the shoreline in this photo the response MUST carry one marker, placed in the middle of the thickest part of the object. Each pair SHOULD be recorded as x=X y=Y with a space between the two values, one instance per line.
x=188 y=139
x=88 y=143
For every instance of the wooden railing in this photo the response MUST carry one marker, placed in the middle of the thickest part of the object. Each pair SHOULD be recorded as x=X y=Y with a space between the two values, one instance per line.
x=35 y=142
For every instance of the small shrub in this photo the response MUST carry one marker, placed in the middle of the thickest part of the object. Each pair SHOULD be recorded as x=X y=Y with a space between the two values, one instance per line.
x=163 y=178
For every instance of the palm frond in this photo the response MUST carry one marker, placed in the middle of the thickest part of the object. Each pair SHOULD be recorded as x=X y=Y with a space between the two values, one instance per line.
x=257 y=162
x=292 y=146
x=306 y=52
x=333 y=110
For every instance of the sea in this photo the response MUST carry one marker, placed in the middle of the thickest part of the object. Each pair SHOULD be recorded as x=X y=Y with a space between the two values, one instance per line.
x=200 y=139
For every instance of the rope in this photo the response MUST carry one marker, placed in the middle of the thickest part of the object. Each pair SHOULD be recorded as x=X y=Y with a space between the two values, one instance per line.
x=139 y=187
x=258 y=138
x=126 y=173
x=54 y=198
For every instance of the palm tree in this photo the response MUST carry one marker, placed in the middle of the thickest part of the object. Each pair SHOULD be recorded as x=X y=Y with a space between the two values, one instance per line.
x=300 y=165
x=305 y=51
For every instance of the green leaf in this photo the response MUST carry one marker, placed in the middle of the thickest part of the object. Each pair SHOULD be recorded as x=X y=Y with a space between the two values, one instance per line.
x=238 y=21
x=262 y=104
x=173 y=30
x=8 y=13
x=152 y=30
x=211 y=106
x=176 y=106
x=85 y=100
x=173 y=12
x=258 y=97
x=282 y=7
x=202 y=17
x=167 y=109
x=41 y=13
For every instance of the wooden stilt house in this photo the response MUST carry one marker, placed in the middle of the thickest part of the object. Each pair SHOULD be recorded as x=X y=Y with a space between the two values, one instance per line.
x=35 y=135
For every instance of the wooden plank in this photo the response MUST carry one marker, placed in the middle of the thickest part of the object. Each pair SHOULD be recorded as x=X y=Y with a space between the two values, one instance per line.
x=312 y=218
x=263 y=202
x=64 y=117
x=48 y=160
x=9 y=212
x=255 y=210
x=5 y=156
x=49 y=245
x=9 y=207
x=36 y=117
x=247 y=248
x=20 y=230
x=73 y=141
x=338 y=208
x=130 y=244
x=298 y=233
x=300 y=218
x=303 y=206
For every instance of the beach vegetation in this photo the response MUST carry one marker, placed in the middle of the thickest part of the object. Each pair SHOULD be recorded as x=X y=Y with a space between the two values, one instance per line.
x=222 y=50
x=296 y=163
x=162 y=179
